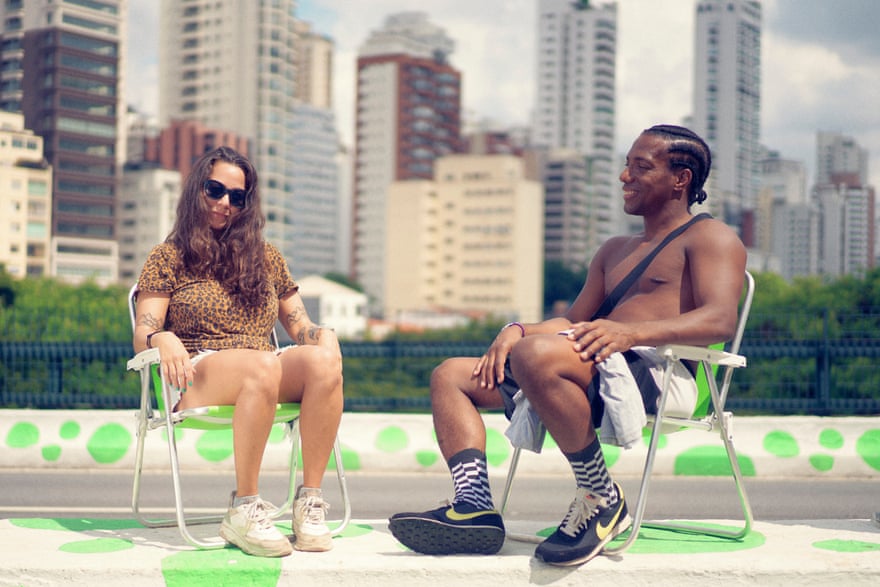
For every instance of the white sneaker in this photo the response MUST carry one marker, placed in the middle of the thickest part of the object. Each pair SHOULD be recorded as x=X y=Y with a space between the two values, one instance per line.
x=250 y=527
x=311 y=532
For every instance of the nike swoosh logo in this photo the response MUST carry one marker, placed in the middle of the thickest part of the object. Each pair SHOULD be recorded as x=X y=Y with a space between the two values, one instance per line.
x=457 y=517
x=603 y=531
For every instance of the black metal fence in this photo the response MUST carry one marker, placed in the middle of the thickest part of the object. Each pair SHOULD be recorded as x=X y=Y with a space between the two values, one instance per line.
x=820 y=377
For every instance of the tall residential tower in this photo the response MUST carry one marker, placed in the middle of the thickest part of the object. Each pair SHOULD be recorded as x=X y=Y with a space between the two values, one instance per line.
x=408 y=115
x=727 y=105
x=574 y=110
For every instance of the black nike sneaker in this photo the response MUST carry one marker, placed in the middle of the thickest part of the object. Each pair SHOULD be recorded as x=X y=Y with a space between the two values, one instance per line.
x=459 y=528
x=589 y=525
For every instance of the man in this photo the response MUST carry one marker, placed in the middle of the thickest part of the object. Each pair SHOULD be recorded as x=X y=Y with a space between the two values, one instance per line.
x=688 y=294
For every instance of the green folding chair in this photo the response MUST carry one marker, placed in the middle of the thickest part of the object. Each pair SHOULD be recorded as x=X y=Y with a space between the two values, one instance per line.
x=709 y=415
x=155 y=417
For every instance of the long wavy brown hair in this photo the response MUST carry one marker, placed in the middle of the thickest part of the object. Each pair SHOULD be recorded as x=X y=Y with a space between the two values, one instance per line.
x=235 y=255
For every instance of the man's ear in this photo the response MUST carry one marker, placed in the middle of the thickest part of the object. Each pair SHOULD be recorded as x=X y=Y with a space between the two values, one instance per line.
x=683 y=179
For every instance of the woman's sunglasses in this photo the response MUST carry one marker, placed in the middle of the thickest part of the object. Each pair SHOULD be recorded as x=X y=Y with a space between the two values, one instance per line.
x=216 y=190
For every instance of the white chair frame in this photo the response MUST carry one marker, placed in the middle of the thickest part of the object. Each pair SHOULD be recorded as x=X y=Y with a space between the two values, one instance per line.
x=206 y=417
x=718 y=420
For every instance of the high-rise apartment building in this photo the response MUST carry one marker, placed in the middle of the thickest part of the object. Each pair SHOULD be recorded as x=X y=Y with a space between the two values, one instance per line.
x=235 y=65
x=25 y=199
x=574 y=109
x=61 y=69
x=408 y=115
x=840 y=156
x=727 y=105
x=847 y=205
x=469 y=241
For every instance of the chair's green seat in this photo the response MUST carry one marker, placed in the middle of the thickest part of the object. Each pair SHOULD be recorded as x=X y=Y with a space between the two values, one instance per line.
x=217 y=417
x=704 y=398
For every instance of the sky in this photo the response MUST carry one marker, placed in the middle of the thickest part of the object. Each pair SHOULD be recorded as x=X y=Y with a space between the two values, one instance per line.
x=820 y=64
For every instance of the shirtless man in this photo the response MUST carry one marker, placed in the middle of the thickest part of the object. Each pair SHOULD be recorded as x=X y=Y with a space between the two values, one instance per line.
x=689 y=294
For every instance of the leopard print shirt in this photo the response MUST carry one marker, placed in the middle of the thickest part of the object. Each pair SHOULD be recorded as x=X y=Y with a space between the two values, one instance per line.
x=202 y=314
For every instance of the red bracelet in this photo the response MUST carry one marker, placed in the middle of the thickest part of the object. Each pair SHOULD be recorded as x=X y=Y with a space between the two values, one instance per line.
x=519 y=325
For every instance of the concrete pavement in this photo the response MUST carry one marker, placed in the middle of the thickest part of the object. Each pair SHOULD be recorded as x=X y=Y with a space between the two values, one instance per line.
x=64 y=551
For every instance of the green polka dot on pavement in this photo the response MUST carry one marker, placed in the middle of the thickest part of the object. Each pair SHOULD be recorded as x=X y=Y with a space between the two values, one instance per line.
x=392 y=439
x=781 y=444
x=97 y=546
x=822 y=462
x=22 y=435
x=831 y=439
x=278 y=433
x=109 y=443
x=497 y=447
x=710 y=461
x=215 y=445
x=69 y=430
x=74 y=524
x=847 y=545
x=226 y=566
x=51 y=453
x=868 y=448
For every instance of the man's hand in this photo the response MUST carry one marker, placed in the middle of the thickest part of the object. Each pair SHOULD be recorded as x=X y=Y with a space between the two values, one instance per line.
x=490 y=367
x=597 y=340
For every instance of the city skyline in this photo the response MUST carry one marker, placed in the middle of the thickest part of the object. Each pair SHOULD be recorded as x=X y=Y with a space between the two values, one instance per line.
x=819 y=64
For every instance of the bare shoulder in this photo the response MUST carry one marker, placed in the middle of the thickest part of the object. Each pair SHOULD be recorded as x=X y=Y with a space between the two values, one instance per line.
x=712 y=233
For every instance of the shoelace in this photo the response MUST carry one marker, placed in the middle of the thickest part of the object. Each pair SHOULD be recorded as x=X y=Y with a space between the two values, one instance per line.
x=582 y=509
x=258 y=511
x=315 y=509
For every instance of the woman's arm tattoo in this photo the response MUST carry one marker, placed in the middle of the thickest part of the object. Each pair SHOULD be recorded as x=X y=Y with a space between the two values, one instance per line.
x=151 y=321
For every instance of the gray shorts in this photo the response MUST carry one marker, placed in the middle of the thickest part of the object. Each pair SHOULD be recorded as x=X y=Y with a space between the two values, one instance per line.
x=641 y=372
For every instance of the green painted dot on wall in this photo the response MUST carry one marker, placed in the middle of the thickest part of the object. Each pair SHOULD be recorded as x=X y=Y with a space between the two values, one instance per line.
x=847 y=545
x=497 y=447
x=215 y=445
x=97 y=546
x=392 y=439
x=868 y=448
x=612 y=454
x=22 y=435
x=109 y=443
x=51 y=453
x=427 y=458
x=549 y=442
x=831 y=439
x=646 y=438
x=781 y=444
x=821 y=462
x=351 y=460
x=227 y=566
x=710 y=461
x=69 y=430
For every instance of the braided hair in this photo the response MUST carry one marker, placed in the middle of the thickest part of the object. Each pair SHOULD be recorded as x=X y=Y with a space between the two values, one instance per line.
x=687 y=151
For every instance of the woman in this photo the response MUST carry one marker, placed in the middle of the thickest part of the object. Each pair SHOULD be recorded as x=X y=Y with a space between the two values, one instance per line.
x=208 y=299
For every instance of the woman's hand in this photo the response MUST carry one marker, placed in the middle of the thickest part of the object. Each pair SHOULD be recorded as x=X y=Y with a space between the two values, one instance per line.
x=177 y=369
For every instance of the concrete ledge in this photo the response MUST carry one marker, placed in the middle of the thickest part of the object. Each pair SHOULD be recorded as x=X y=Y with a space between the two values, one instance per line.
x=767 y=446
x=116 y=552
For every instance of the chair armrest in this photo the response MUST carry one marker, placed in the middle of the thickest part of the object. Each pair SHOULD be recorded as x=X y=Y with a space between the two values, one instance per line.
x=143 y=359
x=698 y=353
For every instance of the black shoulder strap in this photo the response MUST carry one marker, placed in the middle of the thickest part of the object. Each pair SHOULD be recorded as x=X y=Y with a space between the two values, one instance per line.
x=611 y=300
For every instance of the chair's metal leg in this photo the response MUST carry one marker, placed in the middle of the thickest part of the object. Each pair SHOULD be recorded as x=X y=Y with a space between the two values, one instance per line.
x=293 y=465
x=511 y=472
x=639 y=514
x=343 y=488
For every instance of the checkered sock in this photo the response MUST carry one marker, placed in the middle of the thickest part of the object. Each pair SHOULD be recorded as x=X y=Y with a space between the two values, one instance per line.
x=470 y=476
x=591 y=473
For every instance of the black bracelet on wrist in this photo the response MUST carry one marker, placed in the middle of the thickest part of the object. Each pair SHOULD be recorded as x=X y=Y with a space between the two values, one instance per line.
x=150 y=337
